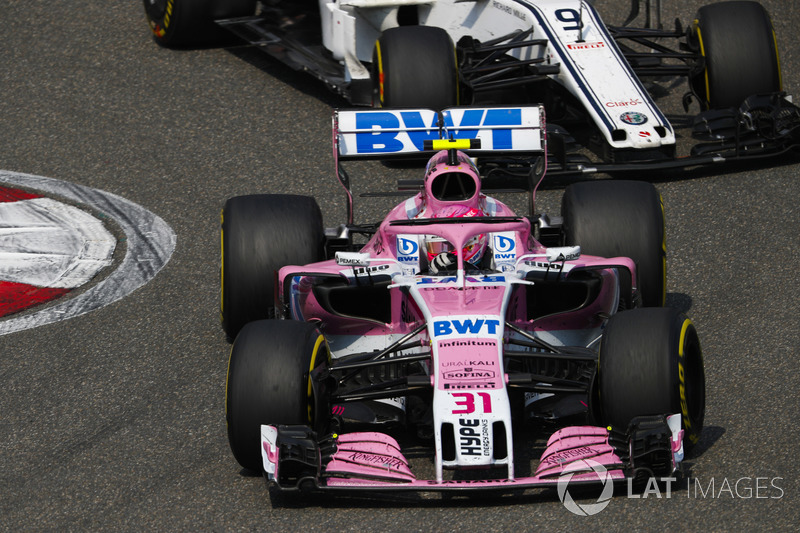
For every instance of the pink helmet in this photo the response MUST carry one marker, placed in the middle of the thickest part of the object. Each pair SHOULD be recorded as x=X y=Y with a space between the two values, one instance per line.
x=473 y=249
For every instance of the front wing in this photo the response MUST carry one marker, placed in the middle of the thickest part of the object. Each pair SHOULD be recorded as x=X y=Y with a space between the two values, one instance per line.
x=294 y=458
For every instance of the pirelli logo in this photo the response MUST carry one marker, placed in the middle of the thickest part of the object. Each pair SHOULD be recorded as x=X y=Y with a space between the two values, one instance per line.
x=586 y=46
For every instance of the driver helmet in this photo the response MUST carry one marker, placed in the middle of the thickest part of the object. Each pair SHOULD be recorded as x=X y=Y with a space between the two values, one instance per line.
x=473 y=249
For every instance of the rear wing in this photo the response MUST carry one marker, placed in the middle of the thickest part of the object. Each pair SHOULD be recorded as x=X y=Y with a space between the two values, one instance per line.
x=418 y=133
x=387 y=133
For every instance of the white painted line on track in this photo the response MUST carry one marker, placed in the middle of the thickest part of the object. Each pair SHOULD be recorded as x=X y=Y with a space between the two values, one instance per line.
x=150 y=244
x=47 y=243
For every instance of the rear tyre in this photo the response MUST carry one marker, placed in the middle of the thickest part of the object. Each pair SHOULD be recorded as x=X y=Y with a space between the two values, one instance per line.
x=620 y=218
x=177 y=23
x=415 y=66
x=651 y=363
x=260 y=234
x=268 y=382
x=737 y=42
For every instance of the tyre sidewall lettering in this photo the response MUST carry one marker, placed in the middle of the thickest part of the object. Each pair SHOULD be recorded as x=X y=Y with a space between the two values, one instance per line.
x=687 y=422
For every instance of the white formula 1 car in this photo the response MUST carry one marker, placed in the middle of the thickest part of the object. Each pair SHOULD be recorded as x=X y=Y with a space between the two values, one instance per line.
x=596 y=81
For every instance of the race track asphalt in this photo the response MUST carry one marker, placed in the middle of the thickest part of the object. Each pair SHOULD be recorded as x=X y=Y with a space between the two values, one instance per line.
x=114 y=420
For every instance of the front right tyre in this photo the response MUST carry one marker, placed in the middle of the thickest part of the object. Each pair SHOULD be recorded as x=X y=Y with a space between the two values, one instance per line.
x=269 y=382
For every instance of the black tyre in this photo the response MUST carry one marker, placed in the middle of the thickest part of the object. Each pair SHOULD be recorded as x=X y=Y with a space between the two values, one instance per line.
x=260 y=234
x=268 y=382
x=737 y=41
x=620 y=218
x=651 y=363
x=415 y=66
x=177 y=23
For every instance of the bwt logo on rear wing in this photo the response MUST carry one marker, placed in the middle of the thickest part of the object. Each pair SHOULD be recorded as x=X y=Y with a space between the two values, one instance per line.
x=388 y=132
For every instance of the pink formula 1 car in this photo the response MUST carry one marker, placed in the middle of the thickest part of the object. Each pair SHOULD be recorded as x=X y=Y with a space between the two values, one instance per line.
x=459 y=330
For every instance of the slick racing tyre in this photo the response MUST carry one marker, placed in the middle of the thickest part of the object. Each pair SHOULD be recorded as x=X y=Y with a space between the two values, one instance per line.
x=415 y=66
x=620 y=219
x=737 y=43
x=268 y=382
x=260 y=234
x=651 y=364
x=177 y=23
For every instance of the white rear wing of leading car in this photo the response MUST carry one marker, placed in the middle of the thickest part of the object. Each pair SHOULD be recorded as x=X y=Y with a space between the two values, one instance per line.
x=403 y=133
x=388 y=133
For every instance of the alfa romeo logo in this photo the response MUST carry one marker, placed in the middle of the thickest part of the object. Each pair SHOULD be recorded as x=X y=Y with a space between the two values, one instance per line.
x=633 y=118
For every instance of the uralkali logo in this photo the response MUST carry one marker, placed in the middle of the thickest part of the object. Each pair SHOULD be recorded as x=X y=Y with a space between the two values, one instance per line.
x=49 y=248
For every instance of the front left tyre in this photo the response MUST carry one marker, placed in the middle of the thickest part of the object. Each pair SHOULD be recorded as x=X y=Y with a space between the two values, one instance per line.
x=181 y=23
x=651 y=363
x=269 y=382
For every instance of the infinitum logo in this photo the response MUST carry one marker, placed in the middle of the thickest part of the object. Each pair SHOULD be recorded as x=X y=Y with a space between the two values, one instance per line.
x=585 y=466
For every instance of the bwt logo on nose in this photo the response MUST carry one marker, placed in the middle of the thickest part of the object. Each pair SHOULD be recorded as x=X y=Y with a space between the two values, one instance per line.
x=448 y=327
x=412 y=121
